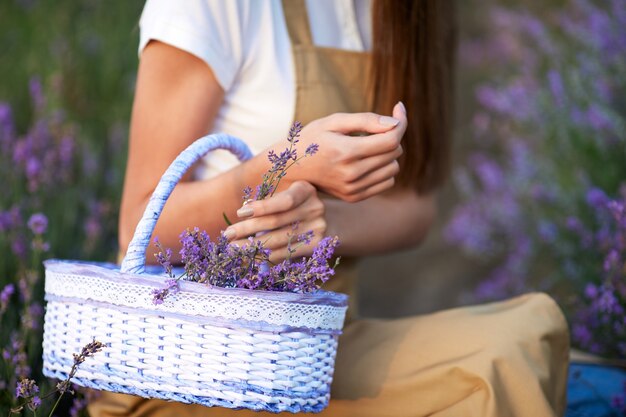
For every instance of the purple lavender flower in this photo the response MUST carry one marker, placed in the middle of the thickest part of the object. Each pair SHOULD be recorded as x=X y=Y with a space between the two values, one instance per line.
x=618 y=209
x=38 y=223
x=305 y=237
x=7 y=129
x=612 y=261
x=78 y=405
x=556 y=87
x=548 y=231
x=32 y=318
x=5 y=296
x=294 y=132
x=164 y=257
x=596 y=198
x=19 y=247
x=171 y=287
x=312 y=149
x=247 y=193
x=591 y=291
x=598 y=118
x=281 y=163
x=87 y=351
x=582 y=335
x=26 y=388
x=66 y=150
x=36 y=94
x=10 y=219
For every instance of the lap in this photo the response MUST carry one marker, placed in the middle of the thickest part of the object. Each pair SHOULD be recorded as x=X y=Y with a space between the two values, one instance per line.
x=506 y=358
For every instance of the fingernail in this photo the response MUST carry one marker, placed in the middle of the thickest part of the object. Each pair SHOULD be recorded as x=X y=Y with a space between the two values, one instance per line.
x=402 y=107
x=388 y=121
x=229 y=233
x=245 y=211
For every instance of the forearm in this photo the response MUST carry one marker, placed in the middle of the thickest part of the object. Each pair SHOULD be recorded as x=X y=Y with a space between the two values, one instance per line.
x=199 y=204
x=395 y=220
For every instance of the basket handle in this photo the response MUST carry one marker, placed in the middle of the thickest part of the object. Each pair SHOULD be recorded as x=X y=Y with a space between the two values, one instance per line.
x=135 y=260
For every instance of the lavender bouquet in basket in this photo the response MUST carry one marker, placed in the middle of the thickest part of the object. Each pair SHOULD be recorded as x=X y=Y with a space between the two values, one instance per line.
x=232 y=330
x=223 y=264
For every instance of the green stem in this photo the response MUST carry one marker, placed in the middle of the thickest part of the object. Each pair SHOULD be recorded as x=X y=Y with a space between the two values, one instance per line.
x=56 y=404
x=284 y=170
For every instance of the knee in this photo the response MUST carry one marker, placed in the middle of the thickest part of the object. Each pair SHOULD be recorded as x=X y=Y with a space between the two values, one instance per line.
x=533 y=323
x=546 y=321
x=534 y=348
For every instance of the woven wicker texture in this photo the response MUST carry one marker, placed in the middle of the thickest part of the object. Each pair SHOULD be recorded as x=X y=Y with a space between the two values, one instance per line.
x=212 y=346
x=190 y=362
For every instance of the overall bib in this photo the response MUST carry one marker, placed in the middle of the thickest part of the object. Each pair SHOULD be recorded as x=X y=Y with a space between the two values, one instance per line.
x=501 y=359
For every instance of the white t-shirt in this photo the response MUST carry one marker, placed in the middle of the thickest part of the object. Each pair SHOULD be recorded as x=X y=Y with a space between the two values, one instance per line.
x=247 y=45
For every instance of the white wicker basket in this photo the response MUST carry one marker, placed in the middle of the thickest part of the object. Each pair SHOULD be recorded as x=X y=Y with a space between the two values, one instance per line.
x=232 y=348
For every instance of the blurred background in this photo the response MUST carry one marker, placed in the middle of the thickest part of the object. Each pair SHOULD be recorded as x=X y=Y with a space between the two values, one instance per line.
x=535 y=200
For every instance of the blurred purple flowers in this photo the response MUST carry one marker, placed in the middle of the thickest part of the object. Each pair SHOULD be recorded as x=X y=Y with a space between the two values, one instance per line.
x=543 y=200
x=28 y=389
x=44 y=155
x=48 y=203
x=38 y=223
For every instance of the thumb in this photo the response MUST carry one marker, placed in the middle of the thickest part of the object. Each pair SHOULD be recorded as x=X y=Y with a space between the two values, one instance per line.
x=399 y=112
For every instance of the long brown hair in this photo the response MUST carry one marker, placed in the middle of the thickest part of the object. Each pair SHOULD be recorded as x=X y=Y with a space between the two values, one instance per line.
x=412 y=61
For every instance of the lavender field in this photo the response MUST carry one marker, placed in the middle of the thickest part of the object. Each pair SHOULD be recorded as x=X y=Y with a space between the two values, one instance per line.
x=537 y=198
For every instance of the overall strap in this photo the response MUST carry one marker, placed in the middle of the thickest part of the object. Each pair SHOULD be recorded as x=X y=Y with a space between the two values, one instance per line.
x=297 y=20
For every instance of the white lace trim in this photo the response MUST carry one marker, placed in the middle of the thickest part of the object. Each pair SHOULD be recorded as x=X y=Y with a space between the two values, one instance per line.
x=228 y=307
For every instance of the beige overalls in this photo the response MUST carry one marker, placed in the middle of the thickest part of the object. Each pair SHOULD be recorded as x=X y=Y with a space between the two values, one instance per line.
x=502 y=359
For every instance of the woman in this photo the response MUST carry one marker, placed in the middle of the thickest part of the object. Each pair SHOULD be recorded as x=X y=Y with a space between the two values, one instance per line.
x=249 y=68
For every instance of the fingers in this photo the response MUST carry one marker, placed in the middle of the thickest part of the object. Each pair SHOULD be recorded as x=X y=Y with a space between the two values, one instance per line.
x=375 y=177
x=386 y=141
x=281 y=202
x=346 y=123
x=256 y=225
x=399 y=112
x=366 y=173
x=299 y=203
x=378 y=161
x=279 y=238
x=371 y=191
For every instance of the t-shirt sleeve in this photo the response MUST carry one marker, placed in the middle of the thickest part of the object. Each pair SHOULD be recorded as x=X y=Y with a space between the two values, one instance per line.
x=212 y=30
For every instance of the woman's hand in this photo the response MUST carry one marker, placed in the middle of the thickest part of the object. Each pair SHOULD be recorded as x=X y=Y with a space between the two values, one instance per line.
x=271 y=220
x=352 y=168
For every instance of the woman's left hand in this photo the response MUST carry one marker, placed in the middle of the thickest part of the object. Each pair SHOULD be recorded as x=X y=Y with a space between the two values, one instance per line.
x=271 y=220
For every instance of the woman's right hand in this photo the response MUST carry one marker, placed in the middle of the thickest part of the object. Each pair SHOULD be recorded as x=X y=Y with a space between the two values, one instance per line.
x=352 y=168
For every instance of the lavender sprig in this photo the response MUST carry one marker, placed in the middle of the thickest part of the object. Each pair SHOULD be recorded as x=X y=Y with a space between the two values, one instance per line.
x=280 y=164
x=27 y=388
x=163 y=257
